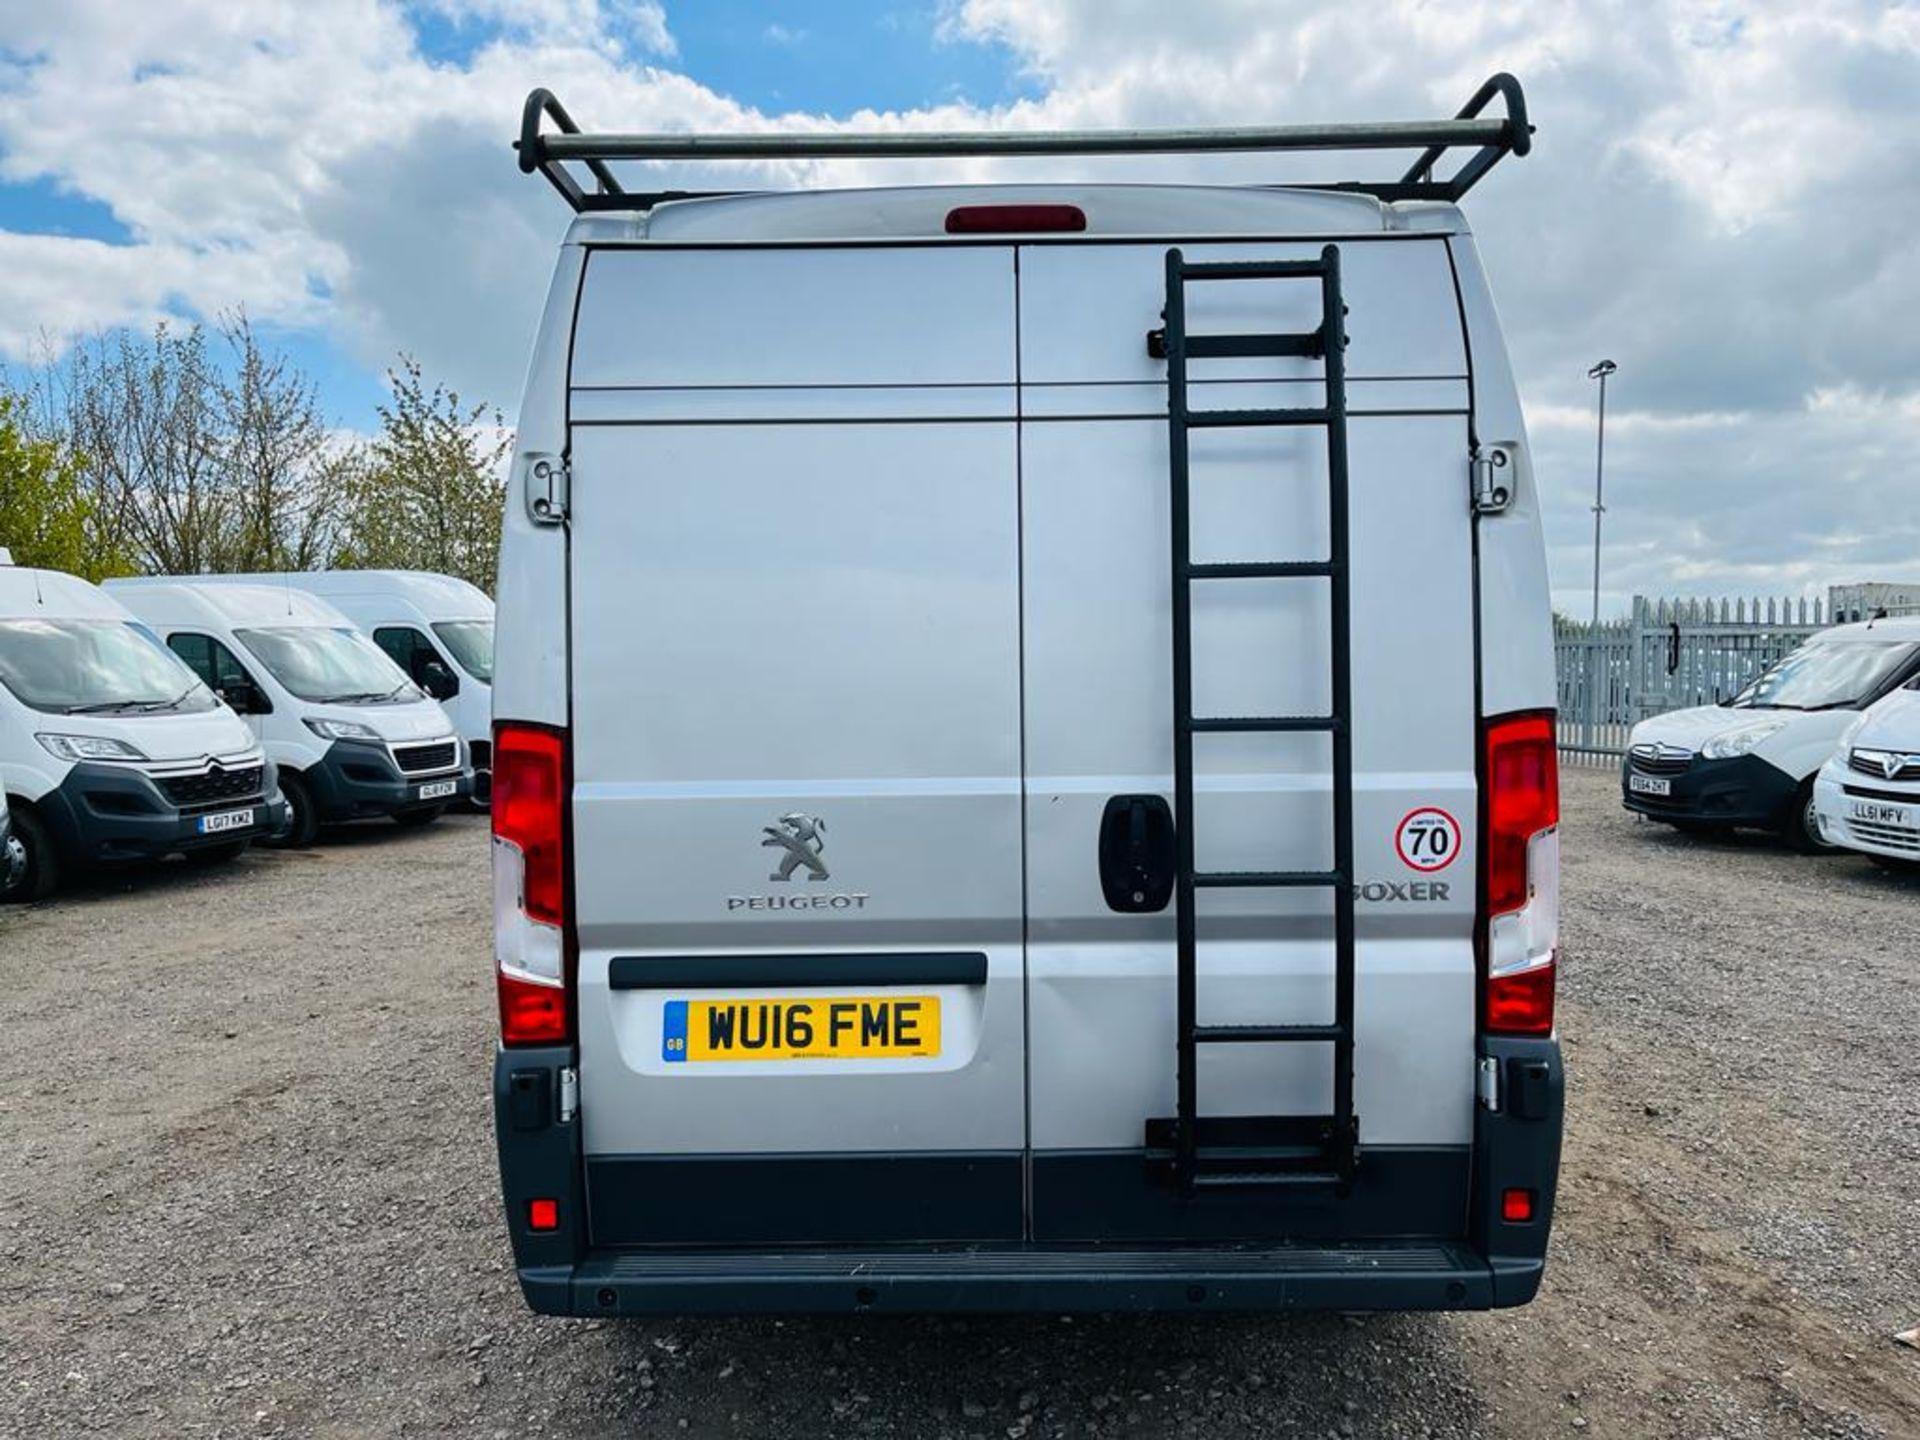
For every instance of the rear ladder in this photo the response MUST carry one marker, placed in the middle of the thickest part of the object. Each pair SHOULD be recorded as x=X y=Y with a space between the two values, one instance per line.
x=1280 y=1150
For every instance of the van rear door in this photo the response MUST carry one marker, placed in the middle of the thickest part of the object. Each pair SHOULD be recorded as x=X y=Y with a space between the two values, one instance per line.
x=796 y=745
x=1098 y=699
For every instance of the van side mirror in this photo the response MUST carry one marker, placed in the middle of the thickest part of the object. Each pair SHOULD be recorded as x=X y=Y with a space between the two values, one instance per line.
x=243 y=697
x=438 y=681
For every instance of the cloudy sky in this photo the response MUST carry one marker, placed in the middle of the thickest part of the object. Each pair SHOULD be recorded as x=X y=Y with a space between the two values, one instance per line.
x=1723 y=197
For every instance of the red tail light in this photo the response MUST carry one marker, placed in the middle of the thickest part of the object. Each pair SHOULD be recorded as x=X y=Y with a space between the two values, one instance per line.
x=532 y=1013
x=1523 y=798
x=1520 y=870
x=529 y=795
x=529 y=883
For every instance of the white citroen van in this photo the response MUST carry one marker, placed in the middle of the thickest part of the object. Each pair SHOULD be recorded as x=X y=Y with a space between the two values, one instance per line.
x=437 y=628
x=1024 y=768
x=112 y=751
x=1750 y=761
x=1867 y=795
x=352 y=736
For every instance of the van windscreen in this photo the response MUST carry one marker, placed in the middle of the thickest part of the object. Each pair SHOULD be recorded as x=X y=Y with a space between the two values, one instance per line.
x=74 y=667
x=328 y=666
x=1826 y=675
x=471 y=644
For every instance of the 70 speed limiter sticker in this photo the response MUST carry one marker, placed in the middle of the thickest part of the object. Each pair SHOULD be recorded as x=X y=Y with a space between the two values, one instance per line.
x=1427 y=839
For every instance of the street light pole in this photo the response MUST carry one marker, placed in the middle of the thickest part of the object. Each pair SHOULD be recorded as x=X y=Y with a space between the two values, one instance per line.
x=1599 y=372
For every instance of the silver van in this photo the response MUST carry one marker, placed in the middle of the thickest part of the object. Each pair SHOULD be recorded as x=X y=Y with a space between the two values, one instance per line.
x=1024 y=768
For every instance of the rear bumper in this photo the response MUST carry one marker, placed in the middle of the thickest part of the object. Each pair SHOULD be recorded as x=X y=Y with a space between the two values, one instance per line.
x=1491 y=1263
x=1012 y=1278
x=357 y=781
x=1745 y=790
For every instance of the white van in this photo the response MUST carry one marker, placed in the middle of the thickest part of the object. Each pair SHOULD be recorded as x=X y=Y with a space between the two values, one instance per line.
x=1024 y=754
x=1867 y=795
x=1750 y=761
x=112 y=751
x=352 y=736
x=437 y=628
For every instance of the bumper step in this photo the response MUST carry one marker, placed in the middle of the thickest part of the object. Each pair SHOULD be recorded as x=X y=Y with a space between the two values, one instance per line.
x=1439 y=1275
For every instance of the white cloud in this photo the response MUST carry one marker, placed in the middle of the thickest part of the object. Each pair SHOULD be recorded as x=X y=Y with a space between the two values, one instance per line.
x=589 y=22
x=1722 y=198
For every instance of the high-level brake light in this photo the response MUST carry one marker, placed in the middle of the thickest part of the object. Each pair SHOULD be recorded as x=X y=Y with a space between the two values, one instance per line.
x=1521 y=872
x=529 y=883
x=1014 y=219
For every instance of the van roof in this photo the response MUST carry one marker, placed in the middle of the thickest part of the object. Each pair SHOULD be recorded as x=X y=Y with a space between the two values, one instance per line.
x=919 y=212
x=453 y=597
x=164 y=600
x=1893 y=628
x=28 y=593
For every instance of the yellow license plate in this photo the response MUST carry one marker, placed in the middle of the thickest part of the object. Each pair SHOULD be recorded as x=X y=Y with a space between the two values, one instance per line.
x=840 y=1027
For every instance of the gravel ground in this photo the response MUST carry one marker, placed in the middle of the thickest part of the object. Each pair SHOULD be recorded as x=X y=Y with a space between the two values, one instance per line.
x=249 y=1190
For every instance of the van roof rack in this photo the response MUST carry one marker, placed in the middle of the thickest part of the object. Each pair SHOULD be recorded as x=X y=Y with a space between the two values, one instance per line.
x=550 y=151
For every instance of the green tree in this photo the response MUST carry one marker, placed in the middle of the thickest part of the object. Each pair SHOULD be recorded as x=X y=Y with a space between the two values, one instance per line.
x=274 y=459
x=195 y=460
x=44 y=508
x=426 y=492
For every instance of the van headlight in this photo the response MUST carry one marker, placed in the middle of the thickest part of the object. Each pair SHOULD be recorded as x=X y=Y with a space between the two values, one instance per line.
x=88 y=747
x=343 y=730
x=1729 y=743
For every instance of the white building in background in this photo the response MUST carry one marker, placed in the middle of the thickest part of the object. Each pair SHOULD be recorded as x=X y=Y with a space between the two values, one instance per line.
x=1868 y=598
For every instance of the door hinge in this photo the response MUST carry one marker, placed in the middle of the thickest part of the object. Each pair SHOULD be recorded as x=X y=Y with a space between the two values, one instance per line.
x=546 y=482
x=1492 y=479
x=1487 y=1082
x=569 y=1094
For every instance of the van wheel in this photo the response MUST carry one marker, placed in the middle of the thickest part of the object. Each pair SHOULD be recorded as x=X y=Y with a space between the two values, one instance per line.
x=302 y=823
x=30 y=860
x=1802 y=832
x=208 y=856
x=414 y=819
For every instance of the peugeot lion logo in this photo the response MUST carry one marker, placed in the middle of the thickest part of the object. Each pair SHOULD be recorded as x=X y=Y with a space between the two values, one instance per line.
x=801 y=837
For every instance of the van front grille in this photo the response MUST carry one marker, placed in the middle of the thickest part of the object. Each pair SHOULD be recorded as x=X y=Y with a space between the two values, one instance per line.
x=216 y=785
x=1868 y=762
x=417 y=759
x=1660 y=759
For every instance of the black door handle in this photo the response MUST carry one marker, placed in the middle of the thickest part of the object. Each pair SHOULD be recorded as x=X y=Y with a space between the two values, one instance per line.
x=1137 y=853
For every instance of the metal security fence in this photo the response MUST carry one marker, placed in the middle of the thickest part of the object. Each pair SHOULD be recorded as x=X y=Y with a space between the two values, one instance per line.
x=1666 y=655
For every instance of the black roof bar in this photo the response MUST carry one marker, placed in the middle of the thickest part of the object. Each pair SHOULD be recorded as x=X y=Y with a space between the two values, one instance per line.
x=550 y=151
